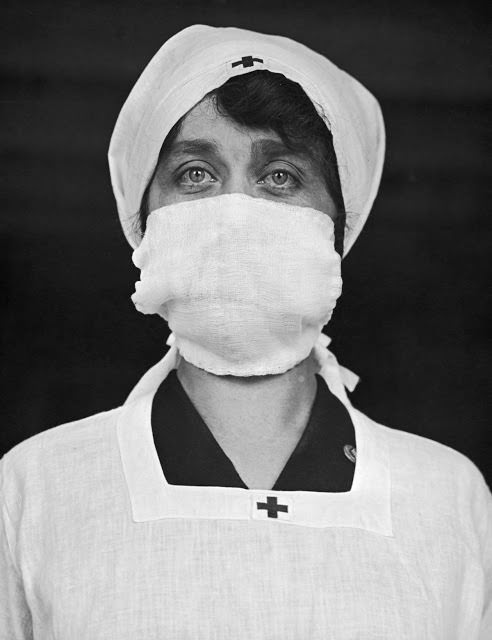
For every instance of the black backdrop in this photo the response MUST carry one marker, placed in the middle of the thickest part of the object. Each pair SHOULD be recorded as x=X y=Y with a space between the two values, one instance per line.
x=412 y=320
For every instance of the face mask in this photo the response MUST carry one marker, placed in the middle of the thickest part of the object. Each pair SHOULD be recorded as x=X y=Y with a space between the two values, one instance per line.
x=245 y=284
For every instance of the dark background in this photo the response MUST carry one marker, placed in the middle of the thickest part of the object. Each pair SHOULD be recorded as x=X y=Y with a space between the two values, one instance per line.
x=412 y=321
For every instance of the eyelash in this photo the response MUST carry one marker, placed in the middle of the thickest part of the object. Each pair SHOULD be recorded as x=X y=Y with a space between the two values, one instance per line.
x=294 y=179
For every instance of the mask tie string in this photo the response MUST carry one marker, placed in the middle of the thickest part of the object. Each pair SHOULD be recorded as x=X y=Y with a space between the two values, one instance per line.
x=337 y=378
x=173 y=355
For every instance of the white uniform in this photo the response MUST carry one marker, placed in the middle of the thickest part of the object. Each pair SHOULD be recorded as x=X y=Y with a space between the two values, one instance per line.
x=97 y=545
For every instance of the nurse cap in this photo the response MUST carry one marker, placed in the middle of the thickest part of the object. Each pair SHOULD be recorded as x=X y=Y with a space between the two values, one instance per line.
x=201 y=58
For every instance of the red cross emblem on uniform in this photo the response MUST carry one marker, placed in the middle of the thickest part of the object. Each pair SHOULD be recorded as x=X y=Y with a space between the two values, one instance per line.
x=272 y=507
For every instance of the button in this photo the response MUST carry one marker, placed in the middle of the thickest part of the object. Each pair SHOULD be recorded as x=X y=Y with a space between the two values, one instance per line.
x=351 y=452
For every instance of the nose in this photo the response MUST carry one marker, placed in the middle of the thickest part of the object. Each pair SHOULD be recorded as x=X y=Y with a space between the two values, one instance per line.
x=238 y=182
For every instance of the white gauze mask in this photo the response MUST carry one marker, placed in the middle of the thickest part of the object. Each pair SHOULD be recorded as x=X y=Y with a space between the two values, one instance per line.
x=245 y=284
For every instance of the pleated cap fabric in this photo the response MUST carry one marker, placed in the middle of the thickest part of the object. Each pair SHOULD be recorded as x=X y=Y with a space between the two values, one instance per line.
x=201 y=58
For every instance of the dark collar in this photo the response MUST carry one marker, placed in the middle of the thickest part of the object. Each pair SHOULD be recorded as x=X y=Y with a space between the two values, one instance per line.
x=190 y=455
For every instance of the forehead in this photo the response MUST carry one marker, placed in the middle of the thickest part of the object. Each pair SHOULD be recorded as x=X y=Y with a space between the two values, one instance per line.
x=204 y=118
x=205 y=130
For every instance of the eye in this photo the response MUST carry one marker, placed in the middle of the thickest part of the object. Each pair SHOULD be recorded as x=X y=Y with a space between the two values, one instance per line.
x=195 y=176
x=280 y=178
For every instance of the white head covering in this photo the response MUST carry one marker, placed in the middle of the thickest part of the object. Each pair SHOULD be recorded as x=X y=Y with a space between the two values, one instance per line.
x=201 y=58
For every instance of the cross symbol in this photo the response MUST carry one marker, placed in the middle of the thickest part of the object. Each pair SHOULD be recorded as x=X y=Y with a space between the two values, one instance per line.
x=272 y=507
x=247 y=61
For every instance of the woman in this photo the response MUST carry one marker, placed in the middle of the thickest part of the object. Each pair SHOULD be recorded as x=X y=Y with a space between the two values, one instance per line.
x=238 y=493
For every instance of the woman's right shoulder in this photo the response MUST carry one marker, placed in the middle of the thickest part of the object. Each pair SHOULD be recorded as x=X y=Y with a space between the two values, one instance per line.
x=41 y=449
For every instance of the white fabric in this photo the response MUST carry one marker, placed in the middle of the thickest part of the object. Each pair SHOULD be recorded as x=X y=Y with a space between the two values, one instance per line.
x=94 y=543
x=245 y=284
x=201 y=58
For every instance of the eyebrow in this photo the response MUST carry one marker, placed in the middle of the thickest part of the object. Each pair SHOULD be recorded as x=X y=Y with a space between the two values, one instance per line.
x=195 y=146
x=266 y=148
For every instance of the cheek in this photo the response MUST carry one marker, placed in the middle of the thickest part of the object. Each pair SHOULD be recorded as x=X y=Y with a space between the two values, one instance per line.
x=327 y=206
x=160 y=195
x=155 y=196
x=320 y=199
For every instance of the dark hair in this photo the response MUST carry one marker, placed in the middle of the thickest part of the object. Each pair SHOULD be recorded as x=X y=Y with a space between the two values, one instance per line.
x=270 y=101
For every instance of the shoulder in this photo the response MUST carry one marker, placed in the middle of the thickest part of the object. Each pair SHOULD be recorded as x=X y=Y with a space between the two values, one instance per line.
x=435 y=479
x=413 y=453
x=27 y=463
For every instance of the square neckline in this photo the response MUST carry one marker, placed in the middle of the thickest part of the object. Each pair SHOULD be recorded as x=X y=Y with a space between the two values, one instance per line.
x=366 y=506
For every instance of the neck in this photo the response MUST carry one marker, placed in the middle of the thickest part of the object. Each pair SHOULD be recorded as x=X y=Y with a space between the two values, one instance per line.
x=268 y=406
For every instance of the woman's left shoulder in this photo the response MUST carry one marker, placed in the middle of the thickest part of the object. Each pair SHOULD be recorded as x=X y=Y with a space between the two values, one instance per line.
x=429 y=461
